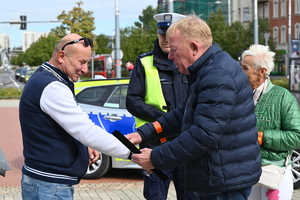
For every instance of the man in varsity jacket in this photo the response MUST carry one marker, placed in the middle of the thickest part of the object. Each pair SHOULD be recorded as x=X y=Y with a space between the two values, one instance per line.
x=55 y=130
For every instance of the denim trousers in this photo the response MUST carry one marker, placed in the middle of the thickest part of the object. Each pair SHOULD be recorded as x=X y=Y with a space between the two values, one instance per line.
x=230 y=195
x=34 y=189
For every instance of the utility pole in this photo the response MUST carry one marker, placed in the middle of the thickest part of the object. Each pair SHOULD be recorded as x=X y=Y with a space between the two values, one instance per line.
x=255 y=23
x=289 y=50
x=229 y=13
x=117 y=46
x=170 y=6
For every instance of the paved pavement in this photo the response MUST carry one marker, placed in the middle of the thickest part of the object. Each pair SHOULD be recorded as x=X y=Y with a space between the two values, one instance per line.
x=128 y=189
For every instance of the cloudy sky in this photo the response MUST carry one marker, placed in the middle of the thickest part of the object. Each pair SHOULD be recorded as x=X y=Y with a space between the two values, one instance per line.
x=48 y=10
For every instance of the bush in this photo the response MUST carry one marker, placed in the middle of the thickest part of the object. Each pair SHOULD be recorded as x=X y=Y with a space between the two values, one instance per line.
x=10 y=93
x=283 y=82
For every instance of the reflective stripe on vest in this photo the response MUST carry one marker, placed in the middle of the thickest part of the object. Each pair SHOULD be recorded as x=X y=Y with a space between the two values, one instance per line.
x=154 y=95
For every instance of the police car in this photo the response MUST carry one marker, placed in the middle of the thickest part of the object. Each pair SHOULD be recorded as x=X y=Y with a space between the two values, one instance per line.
x=104 y=101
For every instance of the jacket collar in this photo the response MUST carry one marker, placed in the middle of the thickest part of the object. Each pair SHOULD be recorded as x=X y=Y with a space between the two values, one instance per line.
x=203 y=60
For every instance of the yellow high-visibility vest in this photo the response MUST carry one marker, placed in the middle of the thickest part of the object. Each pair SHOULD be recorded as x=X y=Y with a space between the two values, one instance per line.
x=154 y=95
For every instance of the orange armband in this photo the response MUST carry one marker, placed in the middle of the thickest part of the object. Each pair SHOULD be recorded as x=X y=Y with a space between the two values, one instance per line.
x=157 y=127
x=260 y=137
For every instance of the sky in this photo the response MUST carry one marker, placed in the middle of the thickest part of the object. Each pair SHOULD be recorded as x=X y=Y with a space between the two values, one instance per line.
x=48 y=10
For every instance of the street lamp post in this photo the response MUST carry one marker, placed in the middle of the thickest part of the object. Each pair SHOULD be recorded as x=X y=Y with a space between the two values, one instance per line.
x=255 y=23
x=229 y=13
x=117 y=47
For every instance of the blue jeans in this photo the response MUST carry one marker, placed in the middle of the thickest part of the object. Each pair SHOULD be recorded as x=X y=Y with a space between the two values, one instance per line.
x=33 y=189
x=157 y=189
x=242 y=194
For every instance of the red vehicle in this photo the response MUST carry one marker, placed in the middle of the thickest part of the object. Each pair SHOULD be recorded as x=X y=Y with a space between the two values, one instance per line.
x=103 y=65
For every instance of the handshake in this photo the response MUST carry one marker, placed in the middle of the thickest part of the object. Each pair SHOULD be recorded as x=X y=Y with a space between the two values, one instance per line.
x=141 y=157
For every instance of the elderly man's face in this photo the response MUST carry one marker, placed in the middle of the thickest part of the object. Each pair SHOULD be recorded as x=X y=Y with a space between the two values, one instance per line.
x=180 y=52
x=255 y=77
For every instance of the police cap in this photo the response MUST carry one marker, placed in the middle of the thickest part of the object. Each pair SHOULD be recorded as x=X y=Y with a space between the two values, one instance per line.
x=164 y=21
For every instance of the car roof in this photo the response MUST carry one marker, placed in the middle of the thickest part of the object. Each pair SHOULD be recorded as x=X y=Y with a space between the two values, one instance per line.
x=80 y=85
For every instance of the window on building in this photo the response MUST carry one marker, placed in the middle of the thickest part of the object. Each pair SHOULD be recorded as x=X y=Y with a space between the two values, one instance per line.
x=246 y=14
x=275 y=9
x=297 y=30
x=275 y=34
x=266 y=6
x=239 y=14
x=260 y=11
x=283 y=8
x=297 y=6
x=283 y=35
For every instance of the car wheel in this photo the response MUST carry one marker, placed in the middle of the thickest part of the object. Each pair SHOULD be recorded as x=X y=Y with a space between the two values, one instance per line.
x=295 y=158
x=98 y=169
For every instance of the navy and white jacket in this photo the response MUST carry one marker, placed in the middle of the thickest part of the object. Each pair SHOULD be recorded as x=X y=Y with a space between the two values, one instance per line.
x=56 y=131
x=218 y=142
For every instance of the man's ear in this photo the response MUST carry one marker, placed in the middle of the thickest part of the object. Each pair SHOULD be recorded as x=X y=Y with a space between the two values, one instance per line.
x=263 y=71
x=60 y=56
x=194 y=47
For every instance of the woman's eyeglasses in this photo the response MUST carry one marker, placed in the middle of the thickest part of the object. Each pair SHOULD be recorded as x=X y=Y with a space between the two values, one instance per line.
x=87 y=42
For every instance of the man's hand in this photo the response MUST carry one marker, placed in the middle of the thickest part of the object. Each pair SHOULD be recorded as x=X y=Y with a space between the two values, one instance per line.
x=143 y=159
x=134 y=138
x=94 y=155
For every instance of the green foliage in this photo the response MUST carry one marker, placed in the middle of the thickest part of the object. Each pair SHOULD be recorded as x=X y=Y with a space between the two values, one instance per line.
x=18 y=60
x=139 y=38
x=283 y=82
x=104 y=44
x=44 y=46
x=236 y=37
x=10 y=93
x=76 y=21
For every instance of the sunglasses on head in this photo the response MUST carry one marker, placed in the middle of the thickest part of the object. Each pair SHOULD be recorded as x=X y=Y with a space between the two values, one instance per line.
x=87 y=42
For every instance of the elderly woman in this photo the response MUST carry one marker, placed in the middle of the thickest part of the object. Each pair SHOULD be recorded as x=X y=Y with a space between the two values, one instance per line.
x=278 y=120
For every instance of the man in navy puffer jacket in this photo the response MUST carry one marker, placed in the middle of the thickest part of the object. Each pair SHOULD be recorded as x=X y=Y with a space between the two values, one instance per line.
x=218 y=144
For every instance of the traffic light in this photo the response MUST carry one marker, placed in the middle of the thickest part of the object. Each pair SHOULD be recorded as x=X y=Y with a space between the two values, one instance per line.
x=23 y=25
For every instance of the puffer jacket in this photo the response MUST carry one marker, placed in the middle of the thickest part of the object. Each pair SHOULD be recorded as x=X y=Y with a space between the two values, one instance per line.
x=278 y=116
x=218 y=142
x=174 y=87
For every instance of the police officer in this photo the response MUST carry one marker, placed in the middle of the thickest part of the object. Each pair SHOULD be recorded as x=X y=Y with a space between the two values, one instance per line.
x=155 y=88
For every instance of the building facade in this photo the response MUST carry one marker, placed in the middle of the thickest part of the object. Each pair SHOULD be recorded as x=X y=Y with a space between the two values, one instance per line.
x=4 y=41
x=30 y=37
x=280 y=13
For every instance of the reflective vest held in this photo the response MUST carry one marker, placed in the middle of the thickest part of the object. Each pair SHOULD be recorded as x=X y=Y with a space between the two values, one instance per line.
x=154 y=95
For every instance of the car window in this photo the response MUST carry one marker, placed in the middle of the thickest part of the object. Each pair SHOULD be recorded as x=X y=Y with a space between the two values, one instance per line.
x=94 y=95
x=117 y=98
x=112 y=96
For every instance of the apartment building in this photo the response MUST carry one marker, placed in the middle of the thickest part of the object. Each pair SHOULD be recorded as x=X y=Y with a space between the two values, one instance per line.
x=4 y=41
x=280 y=13
x=30 y=37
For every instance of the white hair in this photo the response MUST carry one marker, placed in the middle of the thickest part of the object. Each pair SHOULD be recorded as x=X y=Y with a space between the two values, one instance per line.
x=262 y=57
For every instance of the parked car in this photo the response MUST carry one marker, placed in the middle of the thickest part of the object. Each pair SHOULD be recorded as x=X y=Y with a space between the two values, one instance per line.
x=28 y=74
x=105 y=105
x=17 y=72
x=22 y=74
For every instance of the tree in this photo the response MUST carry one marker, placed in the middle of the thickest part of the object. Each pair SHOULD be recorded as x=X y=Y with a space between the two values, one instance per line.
x=237 y=37
x=44 y=46
x=139 y=38
x=104 y=44
x=75 y=21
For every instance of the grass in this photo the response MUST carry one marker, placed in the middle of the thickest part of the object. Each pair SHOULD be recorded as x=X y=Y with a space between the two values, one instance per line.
x=15 y=93
x=10 y=93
